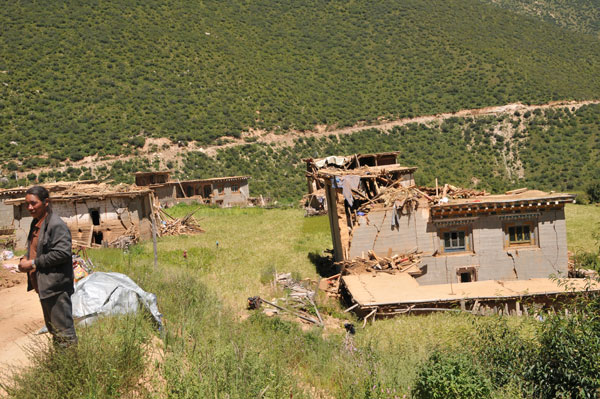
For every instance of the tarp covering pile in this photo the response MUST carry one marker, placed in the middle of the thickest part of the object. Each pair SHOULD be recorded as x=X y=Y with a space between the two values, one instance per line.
x=110 y=293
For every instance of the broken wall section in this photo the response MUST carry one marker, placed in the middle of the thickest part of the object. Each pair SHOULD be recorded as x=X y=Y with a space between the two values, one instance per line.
x=94 y=221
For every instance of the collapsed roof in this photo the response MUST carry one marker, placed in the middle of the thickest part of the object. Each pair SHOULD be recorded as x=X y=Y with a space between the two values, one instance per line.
x=80 y=190
x=353 y=161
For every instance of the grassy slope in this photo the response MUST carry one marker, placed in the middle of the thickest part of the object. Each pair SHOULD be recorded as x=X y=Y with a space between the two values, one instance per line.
x=214 y=346
x=80 y=78
x=583 y=228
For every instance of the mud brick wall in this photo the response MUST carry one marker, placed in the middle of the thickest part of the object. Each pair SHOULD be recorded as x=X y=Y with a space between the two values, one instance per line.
x=488 y=252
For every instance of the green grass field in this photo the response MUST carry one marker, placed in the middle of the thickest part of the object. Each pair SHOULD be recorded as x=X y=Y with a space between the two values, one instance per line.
x=213 y=347
x=583 y=228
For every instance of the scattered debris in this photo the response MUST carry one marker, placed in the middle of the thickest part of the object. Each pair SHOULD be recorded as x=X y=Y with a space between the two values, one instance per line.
x=7 y=237
x=331 y=285
x=314 y=204
x=300 y=298
x=348 y=339
x=255 y=302
x=406 y=263
x=170 y=226
x=452 y=192
x=82 y=265
x=9 y=274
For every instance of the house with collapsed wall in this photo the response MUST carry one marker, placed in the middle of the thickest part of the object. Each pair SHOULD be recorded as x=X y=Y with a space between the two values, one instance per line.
x=222 y=191
x=96 y=214
x=404 y=248
x=7 y=230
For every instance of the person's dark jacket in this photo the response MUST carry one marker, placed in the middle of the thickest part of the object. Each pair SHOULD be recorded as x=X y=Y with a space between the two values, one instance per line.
x=53 y=262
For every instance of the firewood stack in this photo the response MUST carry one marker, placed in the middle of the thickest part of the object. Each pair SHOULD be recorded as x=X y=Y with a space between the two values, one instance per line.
x=170 y=226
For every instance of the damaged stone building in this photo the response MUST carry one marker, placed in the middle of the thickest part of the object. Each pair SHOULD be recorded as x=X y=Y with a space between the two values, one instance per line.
x=314 y=202
x=223 y=191
x=464 y=242
x=96 y=214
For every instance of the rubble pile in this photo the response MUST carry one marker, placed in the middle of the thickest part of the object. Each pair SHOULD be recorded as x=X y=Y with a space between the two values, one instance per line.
x=170 y=226
x=405 y=263
x=403 y=199
x=299 y=299
x=129 y=238
x=451 y=192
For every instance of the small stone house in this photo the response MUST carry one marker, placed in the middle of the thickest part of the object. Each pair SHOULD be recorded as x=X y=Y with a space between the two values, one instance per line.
x=222 y=191
x=95 y=214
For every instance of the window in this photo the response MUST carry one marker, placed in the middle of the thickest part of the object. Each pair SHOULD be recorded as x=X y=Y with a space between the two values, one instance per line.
x=455 y=239
x=221 y=189
x=95 y=215
x=97 y=237
x=467 y=274
x=235 y=188
x=520 y=234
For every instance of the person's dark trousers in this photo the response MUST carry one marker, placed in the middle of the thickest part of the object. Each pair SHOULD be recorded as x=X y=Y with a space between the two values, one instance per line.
x=58 y=315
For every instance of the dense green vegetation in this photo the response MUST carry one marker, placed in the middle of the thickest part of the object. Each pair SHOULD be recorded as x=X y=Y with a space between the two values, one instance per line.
x=577 y=15
x=558 y=150
x=212 y=347
x=561 y=149
x=80 y=78
x=548 y=149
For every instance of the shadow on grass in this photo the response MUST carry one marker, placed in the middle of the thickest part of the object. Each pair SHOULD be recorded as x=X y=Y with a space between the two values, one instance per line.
x=323 y=264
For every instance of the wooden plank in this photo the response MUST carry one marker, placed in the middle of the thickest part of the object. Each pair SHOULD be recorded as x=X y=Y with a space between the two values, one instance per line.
x=516 y=191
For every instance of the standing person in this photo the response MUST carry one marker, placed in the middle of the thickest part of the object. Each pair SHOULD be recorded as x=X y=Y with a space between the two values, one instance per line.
x=49 y=265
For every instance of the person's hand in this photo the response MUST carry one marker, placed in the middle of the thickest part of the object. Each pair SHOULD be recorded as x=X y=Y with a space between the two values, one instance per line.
x=25 y=265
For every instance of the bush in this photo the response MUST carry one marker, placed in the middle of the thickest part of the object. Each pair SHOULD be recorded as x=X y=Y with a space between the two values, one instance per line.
x=567 y=364
x=504 y=354
x=137 y=141
x=75 y=155
x=587 y=260
x=451 y=375
x=593 y=192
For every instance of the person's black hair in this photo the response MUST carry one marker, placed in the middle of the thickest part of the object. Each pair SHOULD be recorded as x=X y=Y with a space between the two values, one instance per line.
x=39 y=191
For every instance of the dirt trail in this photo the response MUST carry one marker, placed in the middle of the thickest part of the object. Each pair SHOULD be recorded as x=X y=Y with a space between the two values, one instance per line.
x=288 y=139
x=20 y=317
x=171 y=152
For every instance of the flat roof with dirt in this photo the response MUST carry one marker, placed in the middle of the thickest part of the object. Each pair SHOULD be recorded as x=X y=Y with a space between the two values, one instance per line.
x=383 y=289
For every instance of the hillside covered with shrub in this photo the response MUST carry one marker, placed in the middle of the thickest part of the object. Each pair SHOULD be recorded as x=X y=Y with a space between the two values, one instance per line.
x=100 y=77
x=577 y=15
x=544 y=149
x=548 y=149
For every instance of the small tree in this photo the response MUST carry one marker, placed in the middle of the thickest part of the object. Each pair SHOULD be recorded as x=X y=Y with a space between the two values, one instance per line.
x=593 y=192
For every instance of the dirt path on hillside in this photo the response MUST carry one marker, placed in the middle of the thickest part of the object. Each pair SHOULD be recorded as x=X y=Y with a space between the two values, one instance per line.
x=288 y=139
x=20 y=317
x=171 y=152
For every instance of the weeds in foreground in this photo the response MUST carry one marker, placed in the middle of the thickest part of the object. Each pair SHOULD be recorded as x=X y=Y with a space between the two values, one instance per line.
x=107 y=363
x=214 y=348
